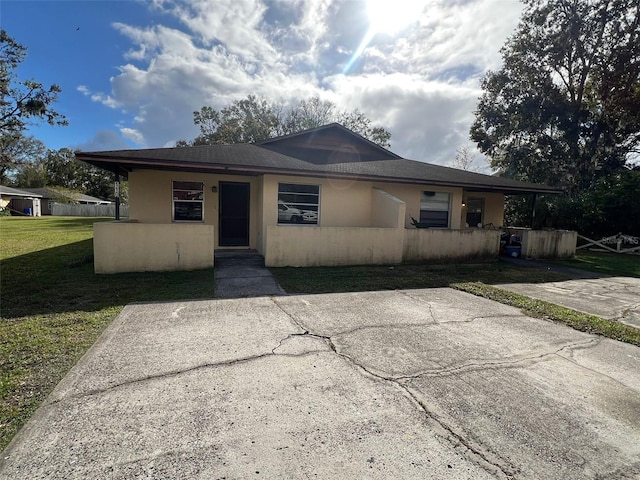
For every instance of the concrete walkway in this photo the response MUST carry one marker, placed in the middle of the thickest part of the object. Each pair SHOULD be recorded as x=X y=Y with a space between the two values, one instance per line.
x=613 y=298
x=430 y=383
x=241 y=273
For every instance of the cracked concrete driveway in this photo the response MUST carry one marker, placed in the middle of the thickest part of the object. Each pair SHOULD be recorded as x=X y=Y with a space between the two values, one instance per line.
x=614 y=298
x=429 y=383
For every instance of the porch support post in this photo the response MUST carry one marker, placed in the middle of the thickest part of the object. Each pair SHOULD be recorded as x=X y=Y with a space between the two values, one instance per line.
x=533 y=209
x=117 y=194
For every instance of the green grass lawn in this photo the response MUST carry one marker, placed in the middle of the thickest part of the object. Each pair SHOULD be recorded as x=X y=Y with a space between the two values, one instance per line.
x=625 y=265
x=53 y=307
x=366 y=278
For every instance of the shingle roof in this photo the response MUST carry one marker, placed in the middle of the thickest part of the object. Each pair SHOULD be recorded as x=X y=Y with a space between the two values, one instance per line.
x=50 y=192
x=292 y=158
x=16 y=192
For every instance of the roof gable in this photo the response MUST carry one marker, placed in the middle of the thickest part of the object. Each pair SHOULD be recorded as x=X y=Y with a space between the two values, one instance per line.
x=328 y=144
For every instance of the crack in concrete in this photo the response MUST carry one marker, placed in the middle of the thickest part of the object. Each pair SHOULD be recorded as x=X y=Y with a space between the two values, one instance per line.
x=291 y=317
x=475 y=451
x=391 y=325
x=613 y=379
x=497 y=466
x=476 y=454
x=497 y=364
x=482 y=317
x=492 y=466
x=421 y=300
x=170 y=374
x=176 y=373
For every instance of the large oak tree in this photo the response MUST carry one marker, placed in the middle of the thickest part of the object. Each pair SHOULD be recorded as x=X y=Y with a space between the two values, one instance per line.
x=565 y=107
x=21 y=102
x=254 y=119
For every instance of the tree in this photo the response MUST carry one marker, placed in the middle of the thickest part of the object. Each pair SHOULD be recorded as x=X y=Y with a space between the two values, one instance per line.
x=611 y=206
x=565 y=107
x=60 y=169
x=16 y=149
x=64 y=170
x=244 y=121
x=20 y=103
x=254 y=119
x=465 y=159
x=307 y=114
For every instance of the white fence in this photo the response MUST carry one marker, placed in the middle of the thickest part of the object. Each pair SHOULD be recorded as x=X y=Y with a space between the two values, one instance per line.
x=623 y=244
x=86 y=210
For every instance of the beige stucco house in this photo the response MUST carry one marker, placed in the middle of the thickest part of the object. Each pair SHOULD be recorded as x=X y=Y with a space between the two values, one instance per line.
x=20 y=202
x=325 y=196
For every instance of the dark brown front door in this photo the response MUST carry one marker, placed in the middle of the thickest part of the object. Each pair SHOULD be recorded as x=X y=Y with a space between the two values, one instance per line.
x=234 y=214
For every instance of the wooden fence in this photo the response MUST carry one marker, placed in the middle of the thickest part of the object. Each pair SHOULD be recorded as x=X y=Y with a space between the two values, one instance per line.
x=620 y=241
x=86 y=210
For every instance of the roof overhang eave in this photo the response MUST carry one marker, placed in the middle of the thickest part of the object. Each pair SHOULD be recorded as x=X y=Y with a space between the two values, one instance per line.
x=121 y=165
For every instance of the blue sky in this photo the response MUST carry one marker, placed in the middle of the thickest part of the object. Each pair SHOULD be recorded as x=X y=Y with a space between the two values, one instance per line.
x=132 y=72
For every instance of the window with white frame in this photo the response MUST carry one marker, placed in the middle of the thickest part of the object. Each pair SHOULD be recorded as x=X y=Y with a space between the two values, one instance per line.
x=434 y=209
x=298 y=203
x=188 y=201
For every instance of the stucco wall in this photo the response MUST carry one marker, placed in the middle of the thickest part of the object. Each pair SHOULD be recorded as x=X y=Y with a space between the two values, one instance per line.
x=329 y=246
x=150 y=198
x=387 y=211
x=348 y=203
x=547 y=243
x=433 y=244
x=142 y=247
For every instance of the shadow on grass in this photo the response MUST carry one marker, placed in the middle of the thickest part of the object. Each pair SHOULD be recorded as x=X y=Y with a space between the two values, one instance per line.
x=61 y=279
x=407 y=276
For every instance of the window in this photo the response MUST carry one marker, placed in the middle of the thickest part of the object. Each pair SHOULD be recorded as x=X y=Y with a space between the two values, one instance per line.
x=298 y=203
x=474 y=212
x=434 y=209
x=188 y=201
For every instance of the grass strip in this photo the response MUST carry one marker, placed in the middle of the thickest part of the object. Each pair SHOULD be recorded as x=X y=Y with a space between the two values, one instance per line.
x=615 y=264
x=540 y=309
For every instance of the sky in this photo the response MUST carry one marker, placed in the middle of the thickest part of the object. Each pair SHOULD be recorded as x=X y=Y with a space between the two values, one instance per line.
x=133 y=72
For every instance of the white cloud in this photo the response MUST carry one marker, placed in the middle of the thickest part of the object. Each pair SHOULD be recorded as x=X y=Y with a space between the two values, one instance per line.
x=422 y=84
x=133 y=134
x=428 y=120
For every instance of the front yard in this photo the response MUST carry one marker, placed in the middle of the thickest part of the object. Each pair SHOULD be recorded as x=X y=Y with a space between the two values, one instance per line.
x=54 y=307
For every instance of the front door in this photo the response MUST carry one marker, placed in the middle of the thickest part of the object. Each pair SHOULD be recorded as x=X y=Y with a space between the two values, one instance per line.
x=234 y=214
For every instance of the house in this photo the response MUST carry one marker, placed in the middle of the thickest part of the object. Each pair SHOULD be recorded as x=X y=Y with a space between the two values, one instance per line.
x=325 y=196
x=19 y=201
x=52 y=195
